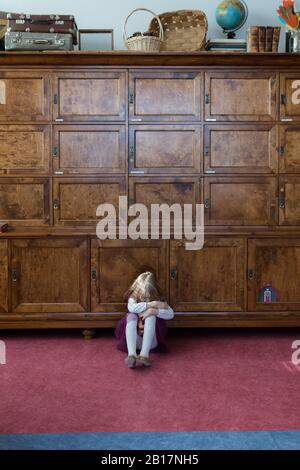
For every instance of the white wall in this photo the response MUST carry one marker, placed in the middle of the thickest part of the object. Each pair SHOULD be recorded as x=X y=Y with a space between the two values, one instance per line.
x=111 y=13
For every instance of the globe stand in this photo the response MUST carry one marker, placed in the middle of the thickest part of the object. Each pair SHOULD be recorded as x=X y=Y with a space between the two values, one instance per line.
x=230 y=35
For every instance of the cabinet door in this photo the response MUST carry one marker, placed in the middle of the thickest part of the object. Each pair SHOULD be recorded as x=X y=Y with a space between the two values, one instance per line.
x=24 y=149
x=165 y=96
x=24 y=96
x=25 y=201
x=76 y=199
x=289 y=194
x=165 y=149
x=274 y=263
x=89 y=149
x=164 y=190
x=3 y=275
x=88 y=96
x=289 y=149
x=211 y=279
x=240 y=149
x=240 y=201
x=240 y=96
x=116 y=264
x=290 y=96
x=49 y=276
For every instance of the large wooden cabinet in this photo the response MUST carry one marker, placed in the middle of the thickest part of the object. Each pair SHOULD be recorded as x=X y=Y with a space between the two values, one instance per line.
x=81 y=129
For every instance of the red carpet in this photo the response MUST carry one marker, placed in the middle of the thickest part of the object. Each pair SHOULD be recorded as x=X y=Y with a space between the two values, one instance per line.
x=210 y=380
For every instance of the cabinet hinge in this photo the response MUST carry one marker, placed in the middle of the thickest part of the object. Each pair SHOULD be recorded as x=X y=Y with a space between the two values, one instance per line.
x=206 y=203
x=56 y=204
x=14 y=275
x=131 y=98
x=173 y=274
x=55 y=98
x=281 y=198
x=207 y=98
x=281 y=150
x=55 y=152
x=131 y=153
x=94 y=275
x=206 y=151
x=282 y=99
x=250 y=274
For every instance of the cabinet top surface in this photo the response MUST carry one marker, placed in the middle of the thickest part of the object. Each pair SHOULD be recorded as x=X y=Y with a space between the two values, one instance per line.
x=128 y=58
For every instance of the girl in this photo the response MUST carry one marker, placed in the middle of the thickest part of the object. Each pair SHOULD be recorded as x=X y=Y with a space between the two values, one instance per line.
x=144 y=326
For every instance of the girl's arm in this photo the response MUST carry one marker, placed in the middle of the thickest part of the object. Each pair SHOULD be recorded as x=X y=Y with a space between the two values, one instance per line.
x=166 y=313
x=136 y=307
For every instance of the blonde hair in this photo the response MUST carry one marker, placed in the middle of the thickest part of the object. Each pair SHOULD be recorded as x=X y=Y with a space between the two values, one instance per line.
x=145 y=288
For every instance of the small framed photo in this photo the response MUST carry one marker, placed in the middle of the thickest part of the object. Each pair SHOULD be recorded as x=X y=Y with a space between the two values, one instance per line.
x=96 y=40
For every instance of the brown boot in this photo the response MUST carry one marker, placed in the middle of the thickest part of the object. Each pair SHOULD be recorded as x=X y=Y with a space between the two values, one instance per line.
x=143 y=360
x=130 y=361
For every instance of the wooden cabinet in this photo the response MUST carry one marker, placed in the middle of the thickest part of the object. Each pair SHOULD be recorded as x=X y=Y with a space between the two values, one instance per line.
x=49 y=275
x=289 y=194
x=90 y=96
x=116 y=264
x=211 y=279
x=24 y=96
x=24 y=149
x=274 y=264
x=3 y=275
x=25 y=201
x=165 y=149
x=164 y=190
x=240 y=148
x=240 y=96
x=76 y=200
x=289 y=149
x=165 y=96
x=240 y=200
x=89 y=149
x=290 y=96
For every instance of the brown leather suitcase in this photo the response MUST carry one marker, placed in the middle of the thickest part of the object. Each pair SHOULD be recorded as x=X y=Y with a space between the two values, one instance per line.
x=62 y=24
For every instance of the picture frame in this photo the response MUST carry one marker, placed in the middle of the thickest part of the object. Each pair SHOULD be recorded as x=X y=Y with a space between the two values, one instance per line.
x=87 y=39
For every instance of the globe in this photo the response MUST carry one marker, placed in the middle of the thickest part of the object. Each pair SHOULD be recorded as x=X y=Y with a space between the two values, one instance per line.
x=231 y=15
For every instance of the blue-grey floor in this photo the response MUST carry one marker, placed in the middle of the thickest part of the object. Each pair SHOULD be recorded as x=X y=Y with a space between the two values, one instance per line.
x=256 y=440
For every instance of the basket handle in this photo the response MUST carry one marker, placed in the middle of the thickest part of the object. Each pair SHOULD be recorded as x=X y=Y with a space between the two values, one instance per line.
x=161 y=29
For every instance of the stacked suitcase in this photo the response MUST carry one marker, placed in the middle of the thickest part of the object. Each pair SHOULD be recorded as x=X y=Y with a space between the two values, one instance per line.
x=40 y=32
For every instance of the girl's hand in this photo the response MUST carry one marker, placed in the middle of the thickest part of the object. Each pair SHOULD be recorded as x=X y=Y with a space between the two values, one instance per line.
x=147 y=313
x=158 y=304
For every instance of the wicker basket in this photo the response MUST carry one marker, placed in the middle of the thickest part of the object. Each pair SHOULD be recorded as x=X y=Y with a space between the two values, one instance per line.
x=184 y=30
x=141 y=42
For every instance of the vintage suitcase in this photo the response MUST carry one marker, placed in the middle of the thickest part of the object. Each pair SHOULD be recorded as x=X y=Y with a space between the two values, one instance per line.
x=38 y=42
x=63 y=24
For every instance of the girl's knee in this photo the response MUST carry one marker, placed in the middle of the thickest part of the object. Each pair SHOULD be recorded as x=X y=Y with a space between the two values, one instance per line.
x=150 y=319
x=131 y=317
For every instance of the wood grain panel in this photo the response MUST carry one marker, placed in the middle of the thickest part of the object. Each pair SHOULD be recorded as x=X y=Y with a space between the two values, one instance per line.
x=89 y=149
x=3 y=276
x=165 y=149
x=24 y=149
x=239 y=96
x=124 y=260
x=274 y=262
x=211 y=279
x=25 y=201
x=50 y=275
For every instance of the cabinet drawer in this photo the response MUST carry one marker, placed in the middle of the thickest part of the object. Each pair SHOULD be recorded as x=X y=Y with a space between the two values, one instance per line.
x=236 y=96
x=165 y=149
x=240 y=149
x=89 y=149
x=49 y=276
x=211 y=279
x=124 y=260
x=289 y=149
x=289 y=194
x=75 y=200
x=98 y=96
x=240 y=201
x=4 y=276
x=165 y=96
x=25 y=201
x=24 y=96
x=290 y=96
x=274 y=265
x=24 y=149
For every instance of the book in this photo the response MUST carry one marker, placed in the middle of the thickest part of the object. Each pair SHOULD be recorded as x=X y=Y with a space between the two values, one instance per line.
x=276 y=37
x=262 y=39
x=269 y=39
x=253 y=41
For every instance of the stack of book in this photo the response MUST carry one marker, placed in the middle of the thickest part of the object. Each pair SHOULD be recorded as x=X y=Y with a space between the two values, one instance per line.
x=263 y=39
x=228 y=45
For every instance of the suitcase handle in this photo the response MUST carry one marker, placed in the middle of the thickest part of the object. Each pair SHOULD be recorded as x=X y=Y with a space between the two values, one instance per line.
x=40 y=21
x=41 y=41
